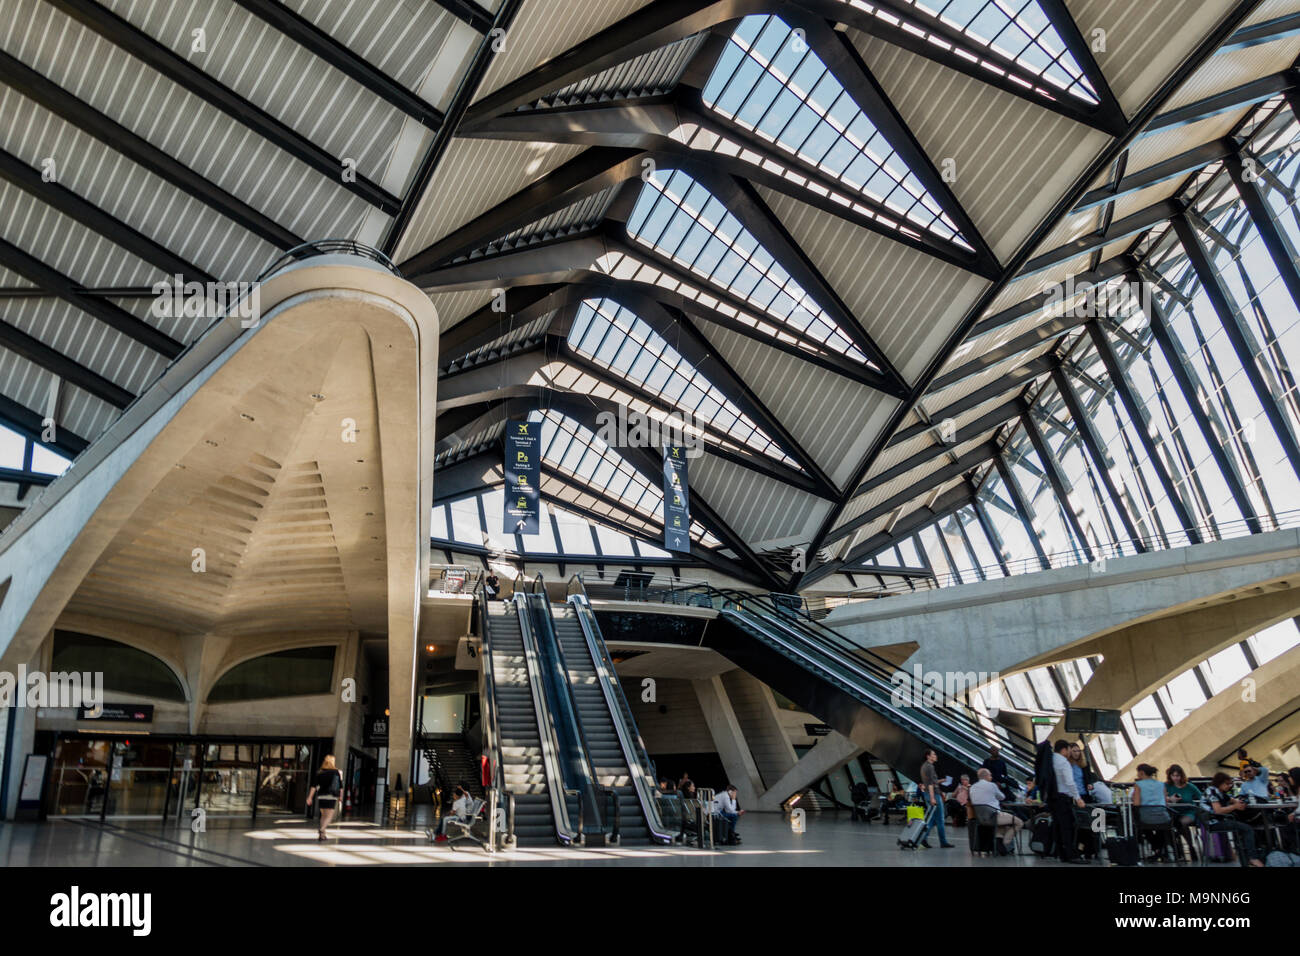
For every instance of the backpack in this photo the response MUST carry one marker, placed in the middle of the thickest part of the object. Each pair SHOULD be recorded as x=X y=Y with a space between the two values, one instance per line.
x=335 y=785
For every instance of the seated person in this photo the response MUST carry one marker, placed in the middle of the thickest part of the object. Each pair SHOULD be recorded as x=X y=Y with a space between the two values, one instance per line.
x=1220 y=808
x=1179 y=790
x=724 y=806
x=1254 y=782
x=1149 y=798
x=957 y=801
x=985 y=794
x=461 y=809
x=1101 y=794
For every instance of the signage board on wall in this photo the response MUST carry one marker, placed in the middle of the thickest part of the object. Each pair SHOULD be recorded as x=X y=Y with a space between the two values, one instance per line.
x=130 y=713
x=523 y=471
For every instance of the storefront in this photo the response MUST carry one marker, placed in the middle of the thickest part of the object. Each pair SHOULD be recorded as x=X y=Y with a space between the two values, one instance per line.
x=162 y=777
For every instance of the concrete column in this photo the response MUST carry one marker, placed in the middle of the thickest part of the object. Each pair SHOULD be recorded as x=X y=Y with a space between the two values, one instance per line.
x=829 y=753
x=760 y=723
x=730 y=741
x=203 y=655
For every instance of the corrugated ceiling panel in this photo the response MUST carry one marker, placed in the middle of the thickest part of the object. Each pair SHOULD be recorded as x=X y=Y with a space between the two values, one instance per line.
x=401 y=39
x=1143 y=42
x=545 y=28
x=971 y=383
x=833 y=419
x=265 y=67
x=908 y=302
x=1223 y=71
x=895 y=454
x=474 y=176
x=1014 y=160
x=764 y=512
x=454 y=306
x=179 y=123
x=189 y=228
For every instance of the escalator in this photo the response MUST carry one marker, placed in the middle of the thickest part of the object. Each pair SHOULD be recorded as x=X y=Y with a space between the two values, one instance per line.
x=855 y=691
x=520 y=730
x=614 y=748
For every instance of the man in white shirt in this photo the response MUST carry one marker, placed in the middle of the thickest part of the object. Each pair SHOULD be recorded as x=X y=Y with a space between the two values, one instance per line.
x=461 y=811
x=1063 y=803
x=1101 y=794
x=985 y=793
x=724 y=805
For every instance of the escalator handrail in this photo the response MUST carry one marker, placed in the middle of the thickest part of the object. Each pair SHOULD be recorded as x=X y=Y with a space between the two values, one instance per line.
x=924 y=729
x=588 y=785
x=545 y=726
x=487 y=694
x=838 y=645
x=634 y=754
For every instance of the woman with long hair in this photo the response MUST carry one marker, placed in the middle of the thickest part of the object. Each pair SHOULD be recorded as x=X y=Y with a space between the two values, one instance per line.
x=329 y=784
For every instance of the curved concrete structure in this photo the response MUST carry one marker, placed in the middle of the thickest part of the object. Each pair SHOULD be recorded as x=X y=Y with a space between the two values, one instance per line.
x=272 y=488
x=1151 y=616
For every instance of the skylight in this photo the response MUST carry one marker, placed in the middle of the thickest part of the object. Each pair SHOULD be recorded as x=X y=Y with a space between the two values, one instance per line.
x=618 y=339
x=769 y=80
x=577 y=453
x=1016 y=29
x=683 y=221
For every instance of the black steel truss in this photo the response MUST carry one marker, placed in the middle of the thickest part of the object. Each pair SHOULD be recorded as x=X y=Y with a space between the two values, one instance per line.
x=122 y=33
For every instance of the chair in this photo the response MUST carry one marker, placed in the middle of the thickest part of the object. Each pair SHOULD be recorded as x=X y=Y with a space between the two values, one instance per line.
x=1156 y=820
x=457 y=829
x=982 y=829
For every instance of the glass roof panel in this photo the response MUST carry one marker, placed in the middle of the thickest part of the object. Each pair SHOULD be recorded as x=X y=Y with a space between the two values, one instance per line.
x=679 y=218
x=1017 y=30
x=646 y=360
x=770 y=81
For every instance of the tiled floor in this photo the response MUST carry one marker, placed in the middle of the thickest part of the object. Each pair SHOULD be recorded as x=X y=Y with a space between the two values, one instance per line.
x=831 y=839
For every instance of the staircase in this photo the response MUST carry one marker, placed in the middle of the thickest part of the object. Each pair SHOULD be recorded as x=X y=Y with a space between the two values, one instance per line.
x=521 y=742
x=458 y=762
x=603 y=748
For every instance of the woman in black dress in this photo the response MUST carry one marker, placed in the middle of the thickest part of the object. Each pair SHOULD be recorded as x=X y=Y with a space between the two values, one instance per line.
x=326 y=791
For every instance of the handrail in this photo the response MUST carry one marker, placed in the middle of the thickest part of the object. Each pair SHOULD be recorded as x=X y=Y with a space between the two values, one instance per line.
x=883 y=668
x=636 y=757
x=487 y=694
x=976 y=741
x=545 y=726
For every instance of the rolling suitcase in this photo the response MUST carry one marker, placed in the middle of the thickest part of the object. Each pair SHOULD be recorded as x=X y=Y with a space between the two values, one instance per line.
x=914 y=829
x=1122 y=850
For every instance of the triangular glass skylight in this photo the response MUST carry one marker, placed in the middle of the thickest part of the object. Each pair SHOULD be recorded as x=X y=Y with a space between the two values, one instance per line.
x=770 y=80
x=1018 y=30
x=618 y=339
x=573 y=450
x=683 y=221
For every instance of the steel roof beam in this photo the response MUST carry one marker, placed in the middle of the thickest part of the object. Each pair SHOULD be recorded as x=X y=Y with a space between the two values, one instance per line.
x=31 y=425
x=467 y=11
x=111 y=315
x=58 y=364
x=1247 y=94
x=1130 y=225
x=311 y=37
x=126 y=35
x=140 y=151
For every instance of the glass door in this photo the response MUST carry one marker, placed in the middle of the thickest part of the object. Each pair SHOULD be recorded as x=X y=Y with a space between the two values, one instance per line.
x=137 y=786
x=286 y=774
x=229 y=779
x=78 y=779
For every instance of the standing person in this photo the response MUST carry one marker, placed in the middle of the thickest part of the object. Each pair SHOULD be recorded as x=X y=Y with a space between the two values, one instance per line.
x=996 y=766
x=1064 y=800
x=933 y=801
x=329 y=784
x=1078 y=767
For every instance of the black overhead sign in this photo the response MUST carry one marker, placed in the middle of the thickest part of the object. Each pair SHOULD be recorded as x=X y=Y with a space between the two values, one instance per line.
x=523 y=468
x=133 y=713
x=677 y=505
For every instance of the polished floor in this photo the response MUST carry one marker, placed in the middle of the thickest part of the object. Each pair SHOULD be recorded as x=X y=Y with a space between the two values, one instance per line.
x=830 y=839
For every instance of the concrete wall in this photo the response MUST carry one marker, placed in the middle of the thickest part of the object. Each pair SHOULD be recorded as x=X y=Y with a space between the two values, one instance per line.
x=682 y=729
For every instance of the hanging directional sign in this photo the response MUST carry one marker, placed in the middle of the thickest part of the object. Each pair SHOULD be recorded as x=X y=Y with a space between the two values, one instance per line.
x=523 y=468
x=677 y=505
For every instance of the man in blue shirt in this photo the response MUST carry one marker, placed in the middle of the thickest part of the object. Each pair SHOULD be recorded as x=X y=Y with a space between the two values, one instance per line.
x=1254 y=782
